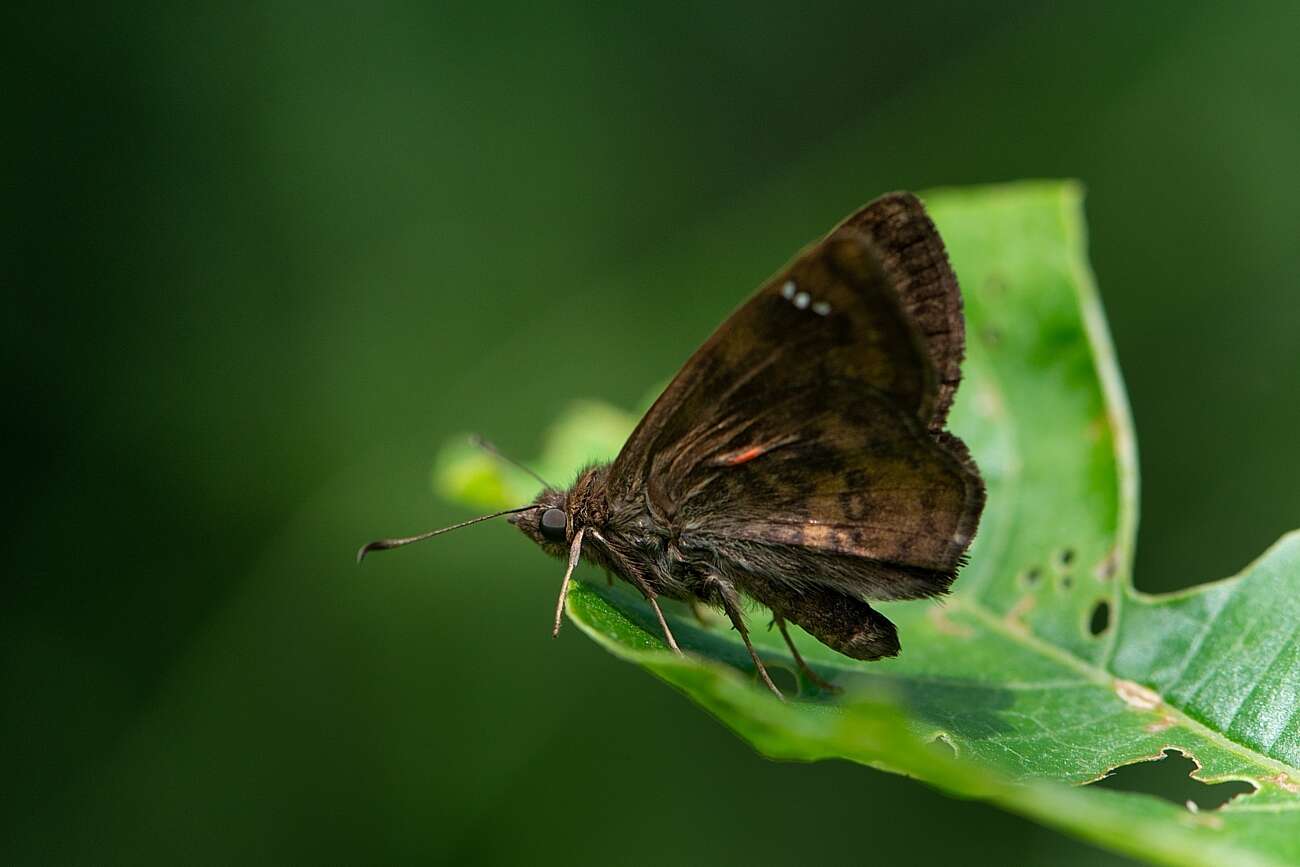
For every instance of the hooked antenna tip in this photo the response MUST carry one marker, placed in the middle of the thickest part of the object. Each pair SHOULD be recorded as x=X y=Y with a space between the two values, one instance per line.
x=367 y=548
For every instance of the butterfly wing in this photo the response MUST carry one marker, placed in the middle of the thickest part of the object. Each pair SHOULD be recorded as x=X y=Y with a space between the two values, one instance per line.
x=915 y=262
x=831 y=484
x=797 y=441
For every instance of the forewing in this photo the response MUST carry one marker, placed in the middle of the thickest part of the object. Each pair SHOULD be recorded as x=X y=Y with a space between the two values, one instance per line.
x=830 y=314
x=804 y=439
x=916 y=264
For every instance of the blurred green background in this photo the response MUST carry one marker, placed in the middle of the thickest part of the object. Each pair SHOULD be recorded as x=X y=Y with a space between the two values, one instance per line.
x=263 y=258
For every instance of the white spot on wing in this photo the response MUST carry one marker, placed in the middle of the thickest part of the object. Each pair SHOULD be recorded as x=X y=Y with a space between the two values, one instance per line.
x=821 y=308
x=802 y=300
x=788 y=289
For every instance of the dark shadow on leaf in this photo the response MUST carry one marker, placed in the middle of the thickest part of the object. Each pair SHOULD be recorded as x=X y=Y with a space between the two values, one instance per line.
x=964 y=709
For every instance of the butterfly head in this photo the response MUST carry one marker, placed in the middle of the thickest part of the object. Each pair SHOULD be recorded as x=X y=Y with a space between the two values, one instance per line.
x=548 y=523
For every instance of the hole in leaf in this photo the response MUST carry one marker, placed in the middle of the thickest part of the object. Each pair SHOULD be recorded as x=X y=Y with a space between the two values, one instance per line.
x=1031 y=576
x=1099 y=622
x=1067 y=582
x=1169 y=777
x=1066 y=557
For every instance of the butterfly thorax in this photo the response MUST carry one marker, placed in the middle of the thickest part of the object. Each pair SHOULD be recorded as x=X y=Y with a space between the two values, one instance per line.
x=586 y=501
x=622 y=537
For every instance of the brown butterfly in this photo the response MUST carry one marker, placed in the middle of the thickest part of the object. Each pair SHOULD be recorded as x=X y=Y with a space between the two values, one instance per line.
x=799 y=457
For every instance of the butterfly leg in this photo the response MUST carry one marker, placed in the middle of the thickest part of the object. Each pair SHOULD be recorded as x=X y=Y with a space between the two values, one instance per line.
x=635 y=577
x=663 y=624
x=731 y=602
x=798 y=658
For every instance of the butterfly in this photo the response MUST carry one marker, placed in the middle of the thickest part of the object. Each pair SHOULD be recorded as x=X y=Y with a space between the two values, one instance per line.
x=799 y=458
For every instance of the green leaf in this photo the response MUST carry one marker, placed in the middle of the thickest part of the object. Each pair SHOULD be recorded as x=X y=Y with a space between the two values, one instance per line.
x=1003 y=691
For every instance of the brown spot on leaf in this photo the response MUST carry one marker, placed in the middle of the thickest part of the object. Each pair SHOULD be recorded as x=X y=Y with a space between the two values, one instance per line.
x=1097 y=428
x=1015 y=615
x=1164 y=722
x=1285 y=782
x=1137 y=696
x=1204 y=820
x=1107 y=566
x=989 y=403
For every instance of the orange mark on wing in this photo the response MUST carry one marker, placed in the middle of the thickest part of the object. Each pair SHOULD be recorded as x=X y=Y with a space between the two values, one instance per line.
x=735 y=459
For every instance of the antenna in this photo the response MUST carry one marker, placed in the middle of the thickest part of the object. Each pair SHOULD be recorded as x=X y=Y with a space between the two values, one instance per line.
x=478 y=440
x=399 y=541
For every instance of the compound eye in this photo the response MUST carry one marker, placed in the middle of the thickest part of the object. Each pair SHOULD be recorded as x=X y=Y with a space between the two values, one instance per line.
x=553 y=524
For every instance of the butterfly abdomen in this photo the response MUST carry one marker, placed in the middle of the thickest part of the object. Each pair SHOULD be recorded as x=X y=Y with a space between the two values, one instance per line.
x=843 y=623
